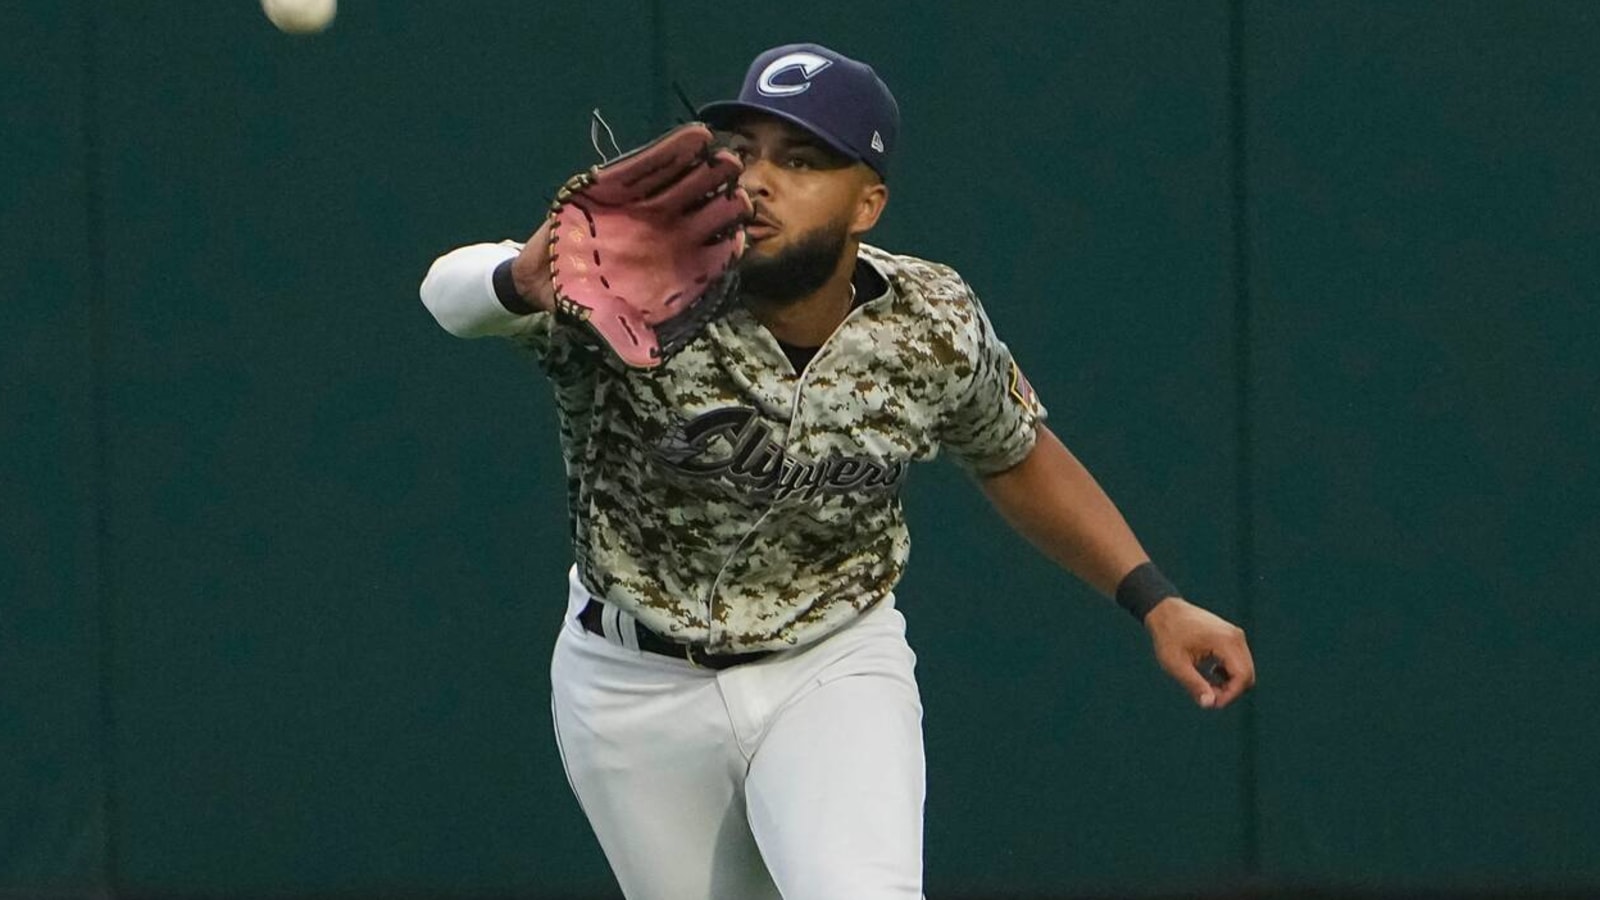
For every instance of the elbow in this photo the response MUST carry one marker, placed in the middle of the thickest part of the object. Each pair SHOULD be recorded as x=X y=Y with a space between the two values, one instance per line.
x=437 y=291
x=459 y=294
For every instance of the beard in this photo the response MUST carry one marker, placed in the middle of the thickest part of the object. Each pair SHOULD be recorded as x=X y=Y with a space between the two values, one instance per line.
x=796 y=272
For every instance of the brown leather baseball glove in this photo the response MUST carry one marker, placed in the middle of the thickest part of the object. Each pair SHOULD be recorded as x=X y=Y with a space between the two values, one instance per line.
x=642 y=248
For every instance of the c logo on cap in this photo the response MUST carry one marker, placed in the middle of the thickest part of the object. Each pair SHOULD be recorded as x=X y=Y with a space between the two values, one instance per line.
x=809 y=65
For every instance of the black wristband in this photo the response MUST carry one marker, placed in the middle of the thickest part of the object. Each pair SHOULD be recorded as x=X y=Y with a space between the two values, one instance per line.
x=505 y=290
x=1142 y=589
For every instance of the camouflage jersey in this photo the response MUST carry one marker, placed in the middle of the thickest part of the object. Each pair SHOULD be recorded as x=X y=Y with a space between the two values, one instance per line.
x=724 y=499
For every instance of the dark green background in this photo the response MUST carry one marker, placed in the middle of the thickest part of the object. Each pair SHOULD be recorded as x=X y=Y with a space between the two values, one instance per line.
x=1310 y=286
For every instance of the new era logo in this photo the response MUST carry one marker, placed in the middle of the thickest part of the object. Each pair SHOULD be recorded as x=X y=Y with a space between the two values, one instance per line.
x=877 y=142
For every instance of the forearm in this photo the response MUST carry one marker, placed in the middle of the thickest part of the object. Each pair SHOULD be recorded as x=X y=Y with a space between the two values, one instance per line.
x=459 y=291
x=490 y=289
x=1052 y=500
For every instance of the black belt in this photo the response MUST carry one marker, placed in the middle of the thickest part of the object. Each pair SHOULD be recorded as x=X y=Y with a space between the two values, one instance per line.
x=650 y=642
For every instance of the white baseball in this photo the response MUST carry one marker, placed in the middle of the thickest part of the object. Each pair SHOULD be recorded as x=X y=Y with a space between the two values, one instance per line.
x=300 y=16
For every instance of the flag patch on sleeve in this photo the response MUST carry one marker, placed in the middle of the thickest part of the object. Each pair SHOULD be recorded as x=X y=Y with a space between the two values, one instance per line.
x=1023 y=391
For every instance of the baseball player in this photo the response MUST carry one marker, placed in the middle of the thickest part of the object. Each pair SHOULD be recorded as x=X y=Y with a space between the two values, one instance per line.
x=733 y=695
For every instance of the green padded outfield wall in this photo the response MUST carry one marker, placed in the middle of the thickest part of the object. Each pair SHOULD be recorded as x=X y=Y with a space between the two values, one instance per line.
x=1425 y=204
x=53 y=790
x=1311 y=287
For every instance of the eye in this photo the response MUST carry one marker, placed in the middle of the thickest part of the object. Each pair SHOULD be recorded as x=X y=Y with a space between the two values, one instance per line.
x=798 y=161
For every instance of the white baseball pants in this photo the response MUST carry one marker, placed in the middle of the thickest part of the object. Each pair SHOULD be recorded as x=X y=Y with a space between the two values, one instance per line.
x=798 y=777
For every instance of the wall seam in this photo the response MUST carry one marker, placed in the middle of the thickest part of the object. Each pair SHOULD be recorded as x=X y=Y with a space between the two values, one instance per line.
x=99 y=411
x=1244 y=437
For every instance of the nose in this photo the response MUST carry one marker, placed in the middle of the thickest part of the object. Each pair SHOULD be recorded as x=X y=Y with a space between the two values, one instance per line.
x=754 y=177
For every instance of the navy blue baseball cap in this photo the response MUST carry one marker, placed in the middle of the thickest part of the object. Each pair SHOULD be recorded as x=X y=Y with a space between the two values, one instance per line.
x=828 y=94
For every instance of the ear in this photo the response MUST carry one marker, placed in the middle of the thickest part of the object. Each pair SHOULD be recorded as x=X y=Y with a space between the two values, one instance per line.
x=873 y=197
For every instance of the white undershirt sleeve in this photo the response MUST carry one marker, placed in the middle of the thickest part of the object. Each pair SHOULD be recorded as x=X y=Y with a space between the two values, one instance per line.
x=459 y=291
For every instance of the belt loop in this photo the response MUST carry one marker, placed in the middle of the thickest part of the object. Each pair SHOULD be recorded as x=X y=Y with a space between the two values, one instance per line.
x=608 y=623
x=628 y=630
